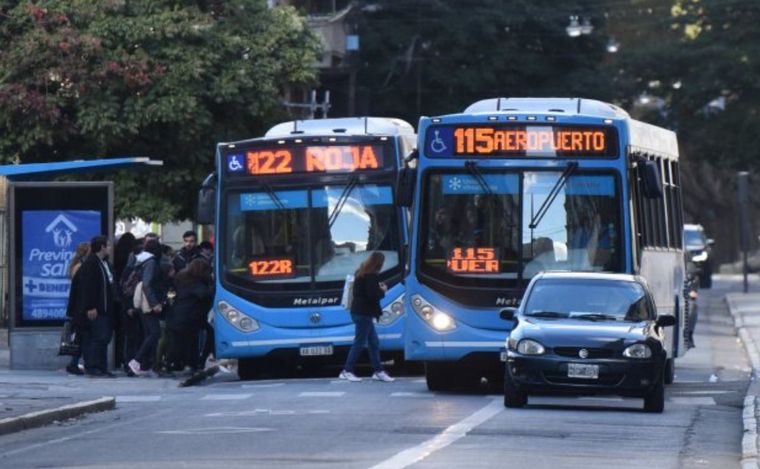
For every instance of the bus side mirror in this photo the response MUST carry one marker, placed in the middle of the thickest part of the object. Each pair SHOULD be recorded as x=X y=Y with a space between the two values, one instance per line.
x=666 y=321
x=508 y=314
x=407 y=179
x=651 y=181
x=207 y=201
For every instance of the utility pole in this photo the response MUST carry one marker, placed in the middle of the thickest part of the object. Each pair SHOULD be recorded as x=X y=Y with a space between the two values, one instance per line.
x=742 y=192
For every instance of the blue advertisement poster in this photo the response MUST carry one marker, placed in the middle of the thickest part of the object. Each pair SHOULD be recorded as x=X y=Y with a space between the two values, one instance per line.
x=49 y=239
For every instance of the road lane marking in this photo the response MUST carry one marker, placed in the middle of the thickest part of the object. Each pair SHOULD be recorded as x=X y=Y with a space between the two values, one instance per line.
x=225 y=397
x=215 y=431
x=123 y=399
x=450 y=435
x=705 y=392
x=322 y=394
x=263 y=385
x=692 y=400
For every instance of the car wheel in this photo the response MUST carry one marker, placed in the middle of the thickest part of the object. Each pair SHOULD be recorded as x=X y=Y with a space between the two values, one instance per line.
x=513 y=396
x=670 y=371
x=655 y=401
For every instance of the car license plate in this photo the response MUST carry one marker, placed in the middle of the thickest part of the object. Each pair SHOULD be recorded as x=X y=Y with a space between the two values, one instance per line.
x=316 y=350
x=578 y=370
x=503 y=355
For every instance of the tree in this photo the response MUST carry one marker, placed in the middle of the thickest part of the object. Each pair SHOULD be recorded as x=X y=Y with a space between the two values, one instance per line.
x=437 y=56
x=161 y=78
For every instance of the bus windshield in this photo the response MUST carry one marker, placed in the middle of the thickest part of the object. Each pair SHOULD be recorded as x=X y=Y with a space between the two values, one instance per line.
x=480 y=227
x=296 y=238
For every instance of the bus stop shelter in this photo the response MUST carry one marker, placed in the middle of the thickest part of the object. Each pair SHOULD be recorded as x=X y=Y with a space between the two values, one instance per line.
x=28 y=194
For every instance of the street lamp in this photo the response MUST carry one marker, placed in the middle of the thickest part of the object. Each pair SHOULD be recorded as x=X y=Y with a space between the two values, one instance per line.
x=612 y=45
x=578 y=27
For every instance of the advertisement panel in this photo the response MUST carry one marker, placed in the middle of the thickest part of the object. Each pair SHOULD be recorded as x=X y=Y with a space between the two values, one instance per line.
x=50 y=238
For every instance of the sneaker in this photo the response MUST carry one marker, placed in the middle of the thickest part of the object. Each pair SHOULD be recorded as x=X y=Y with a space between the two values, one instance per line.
x=134 y=365
x=383 y=376
x=347 y=375
x=74 y=370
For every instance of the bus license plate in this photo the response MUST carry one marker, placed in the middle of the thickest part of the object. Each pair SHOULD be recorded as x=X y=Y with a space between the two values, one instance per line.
x=316 y=350
x=578 y=370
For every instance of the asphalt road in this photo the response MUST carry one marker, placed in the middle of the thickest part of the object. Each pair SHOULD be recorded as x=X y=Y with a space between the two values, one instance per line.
x=324 y=422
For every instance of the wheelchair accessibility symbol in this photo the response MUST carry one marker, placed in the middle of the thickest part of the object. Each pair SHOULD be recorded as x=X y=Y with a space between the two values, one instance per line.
x=437 y=145
x=234 y=164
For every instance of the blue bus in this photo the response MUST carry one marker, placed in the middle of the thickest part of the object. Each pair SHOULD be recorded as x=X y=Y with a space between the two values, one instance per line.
x=515 y=186
x=295 y=212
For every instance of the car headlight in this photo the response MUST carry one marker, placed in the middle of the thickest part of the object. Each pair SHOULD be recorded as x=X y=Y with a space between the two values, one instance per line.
x=701 y=257
x=238 y=320
x=392 y=312
x=637 y=351
x=530 y=347
x=435 y=318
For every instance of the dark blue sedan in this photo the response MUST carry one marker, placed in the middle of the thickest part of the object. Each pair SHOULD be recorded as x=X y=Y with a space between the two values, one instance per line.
x=586 y=333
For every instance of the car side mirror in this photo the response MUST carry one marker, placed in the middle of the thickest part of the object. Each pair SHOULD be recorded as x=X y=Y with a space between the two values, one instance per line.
x=405 y=187
x=666 y=321
x=508 y=314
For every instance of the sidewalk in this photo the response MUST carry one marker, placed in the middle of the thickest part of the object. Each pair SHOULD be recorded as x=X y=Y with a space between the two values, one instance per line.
x=745 y=309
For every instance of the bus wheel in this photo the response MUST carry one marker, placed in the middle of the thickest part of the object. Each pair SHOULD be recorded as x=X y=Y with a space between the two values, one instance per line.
x=670 y=370
x=438 y=375
x=249 y=368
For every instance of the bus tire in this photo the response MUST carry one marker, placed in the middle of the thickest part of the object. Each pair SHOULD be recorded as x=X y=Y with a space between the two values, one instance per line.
x=438 y=375
x=670 y=371
x=249 y=368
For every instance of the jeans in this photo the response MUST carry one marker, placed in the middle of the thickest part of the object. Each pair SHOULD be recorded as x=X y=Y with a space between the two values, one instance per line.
x=95 y=338
x=133 y=336
x=365 y=334
x=146 y=354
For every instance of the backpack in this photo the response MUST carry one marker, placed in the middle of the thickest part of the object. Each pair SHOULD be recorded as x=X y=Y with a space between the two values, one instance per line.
x=129 y=280
x=348 y=292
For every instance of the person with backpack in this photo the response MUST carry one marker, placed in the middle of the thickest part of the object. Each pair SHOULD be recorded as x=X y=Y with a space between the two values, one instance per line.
x=365 y=310
x=155 y=285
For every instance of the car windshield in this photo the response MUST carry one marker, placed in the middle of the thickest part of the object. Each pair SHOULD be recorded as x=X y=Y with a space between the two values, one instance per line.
x=694 y=238
x=314 y=235
x=588 y=299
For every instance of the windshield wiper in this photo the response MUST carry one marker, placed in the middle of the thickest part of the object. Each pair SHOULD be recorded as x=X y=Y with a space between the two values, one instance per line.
x=593 y=316
x=569 y=169
x=333 y=217
x=472 y=167
x=546 y=314
x=273 y=195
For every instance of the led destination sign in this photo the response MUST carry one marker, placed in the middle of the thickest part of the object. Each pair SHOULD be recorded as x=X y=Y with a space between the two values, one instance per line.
x=515 y=140
x=473 y=261
x=271 y=267
x=306 y=159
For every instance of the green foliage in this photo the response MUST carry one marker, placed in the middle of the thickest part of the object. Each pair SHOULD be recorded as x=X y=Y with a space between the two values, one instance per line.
x=159 y=78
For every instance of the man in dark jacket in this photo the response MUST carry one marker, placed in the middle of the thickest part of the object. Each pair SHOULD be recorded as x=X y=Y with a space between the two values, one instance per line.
x=188 y=252
x=94 y=306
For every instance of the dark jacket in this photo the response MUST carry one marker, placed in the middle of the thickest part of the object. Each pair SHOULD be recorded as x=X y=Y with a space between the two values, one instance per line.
x=156 y=282
x=367 y=296
x=190 y=306
x=184 y=257
x=90 y=288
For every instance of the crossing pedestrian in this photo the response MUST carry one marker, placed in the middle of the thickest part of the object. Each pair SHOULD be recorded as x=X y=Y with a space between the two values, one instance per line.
x=365 y=310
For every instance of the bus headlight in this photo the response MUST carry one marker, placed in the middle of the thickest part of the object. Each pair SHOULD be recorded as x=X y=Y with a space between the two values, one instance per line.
x=392 y=312
x=238 y=320
x=435 y=318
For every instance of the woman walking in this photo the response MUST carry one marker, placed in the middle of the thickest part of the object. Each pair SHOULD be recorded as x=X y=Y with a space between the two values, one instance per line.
x=365 y=309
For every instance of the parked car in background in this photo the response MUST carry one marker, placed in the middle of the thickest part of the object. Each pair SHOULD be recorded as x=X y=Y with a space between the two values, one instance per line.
x=699 y=247
x=586 y=333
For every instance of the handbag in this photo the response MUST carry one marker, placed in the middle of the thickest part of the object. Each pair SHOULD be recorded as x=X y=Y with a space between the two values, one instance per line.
x=70 y=340
x=140 y=300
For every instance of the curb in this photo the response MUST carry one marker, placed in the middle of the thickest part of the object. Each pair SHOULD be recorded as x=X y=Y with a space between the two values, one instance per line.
x=45 y=417
x=749 y=458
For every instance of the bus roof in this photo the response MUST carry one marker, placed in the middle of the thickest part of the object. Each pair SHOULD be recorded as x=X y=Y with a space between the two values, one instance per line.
x=566 y=106
x=643 y=137
x=342 y=126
